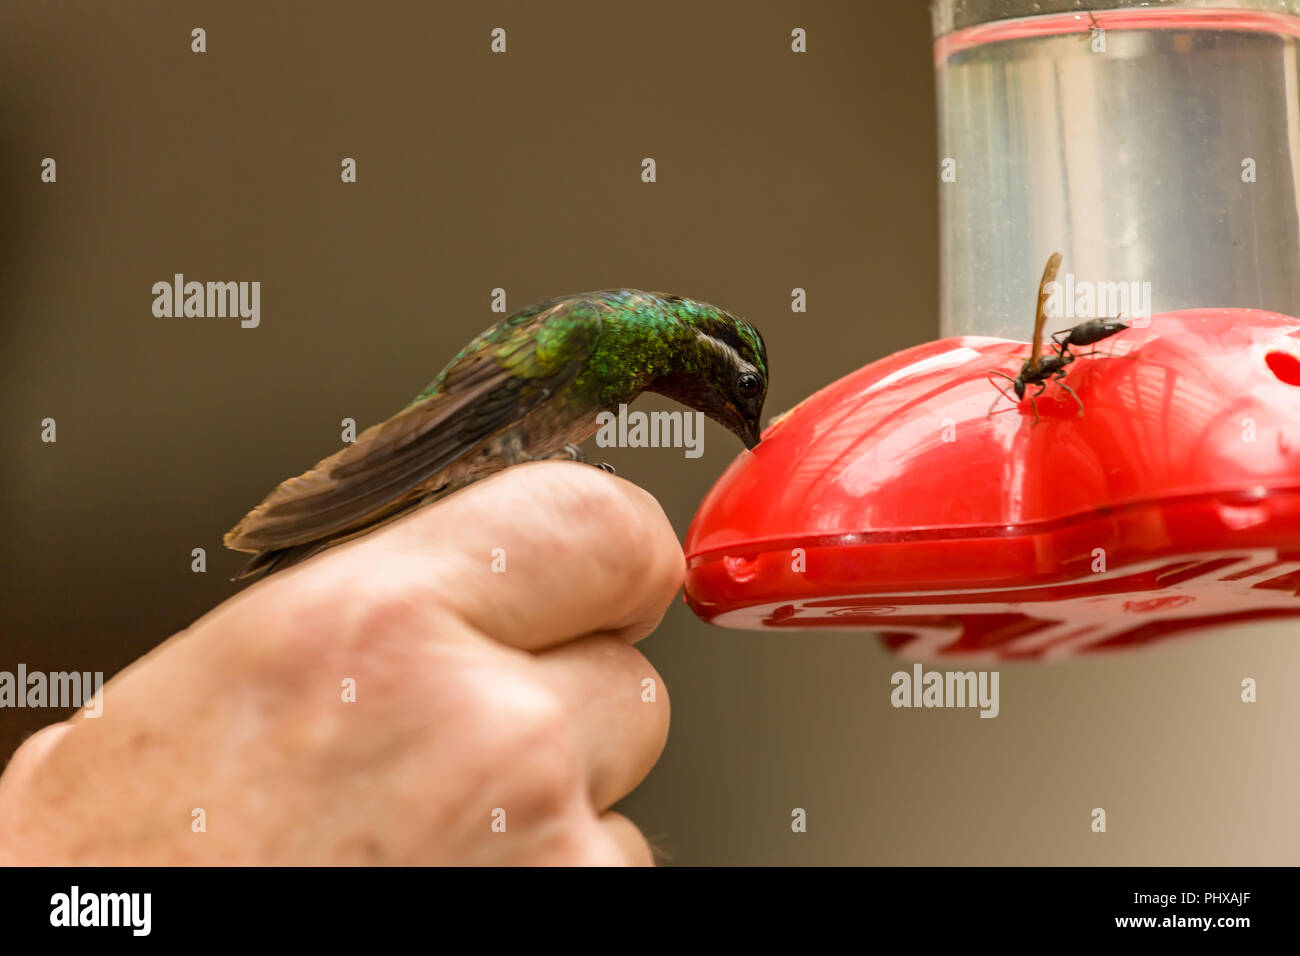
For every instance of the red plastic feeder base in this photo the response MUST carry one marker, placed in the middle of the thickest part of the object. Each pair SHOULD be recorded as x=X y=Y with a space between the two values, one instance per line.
x=894 y=501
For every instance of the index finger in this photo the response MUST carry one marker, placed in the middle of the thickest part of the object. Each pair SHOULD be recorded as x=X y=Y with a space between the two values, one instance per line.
x=534 y=556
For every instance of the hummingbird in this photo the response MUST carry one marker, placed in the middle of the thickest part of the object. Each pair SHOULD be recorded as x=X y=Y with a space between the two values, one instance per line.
x=529 y=388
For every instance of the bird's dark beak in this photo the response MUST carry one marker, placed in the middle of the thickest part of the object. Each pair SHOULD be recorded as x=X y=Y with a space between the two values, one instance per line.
x=750 y=435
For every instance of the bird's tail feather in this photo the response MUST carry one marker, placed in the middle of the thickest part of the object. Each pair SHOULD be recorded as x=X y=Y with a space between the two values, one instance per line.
x=268 y=562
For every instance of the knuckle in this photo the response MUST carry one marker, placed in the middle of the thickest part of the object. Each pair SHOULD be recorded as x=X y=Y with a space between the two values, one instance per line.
x=523 y=750
x=334 y=628
x=386 y=613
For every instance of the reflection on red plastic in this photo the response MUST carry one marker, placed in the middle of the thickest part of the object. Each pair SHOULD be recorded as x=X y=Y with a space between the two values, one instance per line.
x=892 y=500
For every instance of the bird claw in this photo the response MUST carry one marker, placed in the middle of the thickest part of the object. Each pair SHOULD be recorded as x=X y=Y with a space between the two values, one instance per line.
x=567 y=453
x=574 y=453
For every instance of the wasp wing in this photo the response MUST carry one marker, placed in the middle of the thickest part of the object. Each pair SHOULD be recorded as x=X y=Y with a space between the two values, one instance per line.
x=1040 y=315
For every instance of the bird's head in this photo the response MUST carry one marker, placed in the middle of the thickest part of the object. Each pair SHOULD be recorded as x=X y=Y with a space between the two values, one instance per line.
x=721 y=369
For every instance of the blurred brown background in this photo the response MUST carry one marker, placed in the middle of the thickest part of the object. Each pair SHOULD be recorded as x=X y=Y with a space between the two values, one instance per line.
x=522 y=171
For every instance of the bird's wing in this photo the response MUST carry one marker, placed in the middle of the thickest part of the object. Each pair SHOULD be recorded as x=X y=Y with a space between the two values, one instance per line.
x=501 y=376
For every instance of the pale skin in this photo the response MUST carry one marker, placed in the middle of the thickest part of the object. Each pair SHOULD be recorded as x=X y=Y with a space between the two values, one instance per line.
x=476 y=692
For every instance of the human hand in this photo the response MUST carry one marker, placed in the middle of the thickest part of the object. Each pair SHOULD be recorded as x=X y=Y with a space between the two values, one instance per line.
x=481 y=696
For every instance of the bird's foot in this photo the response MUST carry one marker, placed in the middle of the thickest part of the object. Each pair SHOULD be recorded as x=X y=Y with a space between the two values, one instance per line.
x=574 y=453
x=567 y=453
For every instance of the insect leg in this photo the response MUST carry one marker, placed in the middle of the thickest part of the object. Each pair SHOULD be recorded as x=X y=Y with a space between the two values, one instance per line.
x=1002 y=390
x=1071 y=393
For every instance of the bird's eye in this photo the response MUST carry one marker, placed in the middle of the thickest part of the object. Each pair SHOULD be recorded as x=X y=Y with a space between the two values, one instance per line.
x=749 y=385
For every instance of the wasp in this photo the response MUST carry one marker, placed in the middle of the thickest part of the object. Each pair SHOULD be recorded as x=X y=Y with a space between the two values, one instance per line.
x=1041 y=369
